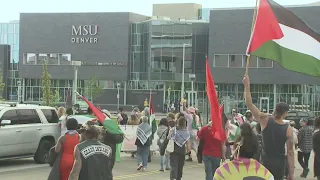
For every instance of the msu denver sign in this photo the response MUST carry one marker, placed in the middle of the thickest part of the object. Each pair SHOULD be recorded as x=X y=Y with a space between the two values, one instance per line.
x=84 y=34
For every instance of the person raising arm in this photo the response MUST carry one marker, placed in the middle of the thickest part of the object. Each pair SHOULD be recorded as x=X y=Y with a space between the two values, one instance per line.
x=260 y=117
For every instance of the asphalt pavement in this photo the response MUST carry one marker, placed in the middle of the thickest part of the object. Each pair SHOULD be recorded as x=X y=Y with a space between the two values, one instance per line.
x=26 y=169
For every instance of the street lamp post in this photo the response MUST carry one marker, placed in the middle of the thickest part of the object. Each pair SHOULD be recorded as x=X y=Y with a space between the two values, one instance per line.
x=118 y=95
x=76 y=65
x=182 y=78
x=192 y=77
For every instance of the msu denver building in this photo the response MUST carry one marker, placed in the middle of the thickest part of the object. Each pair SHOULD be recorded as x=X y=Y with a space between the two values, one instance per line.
x=80 y=32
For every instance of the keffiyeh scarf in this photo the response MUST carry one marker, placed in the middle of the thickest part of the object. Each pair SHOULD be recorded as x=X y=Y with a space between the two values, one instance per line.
x=144 y=131
x=180 y=137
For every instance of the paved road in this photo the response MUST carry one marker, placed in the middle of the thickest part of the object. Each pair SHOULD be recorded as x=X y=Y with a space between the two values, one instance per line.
x=25 y=169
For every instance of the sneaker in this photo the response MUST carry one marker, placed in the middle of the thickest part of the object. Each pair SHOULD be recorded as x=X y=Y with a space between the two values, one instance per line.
x=168 y=169
x=140 y=167
x=161 y=170
x=305 y=173
x=144 y=169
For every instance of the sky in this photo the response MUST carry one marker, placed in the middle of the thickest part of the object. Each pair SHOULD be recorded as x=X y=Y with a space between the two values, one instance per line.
x=10 y=9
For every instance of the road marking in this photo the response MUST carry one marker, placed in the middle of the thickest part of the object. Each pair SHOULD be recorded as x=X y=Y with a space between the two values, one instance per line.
x=150 y=172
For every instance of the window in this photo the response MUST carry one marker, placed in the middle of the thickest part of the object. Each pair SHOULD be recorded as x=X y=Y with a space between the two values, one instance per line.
x=253 y=62
x=51 y=115
x=235 y=61
x=11 y=115
x=28 y=116
x=30 y=58
x=262 y=62
x=221 y=60
x=65 y=59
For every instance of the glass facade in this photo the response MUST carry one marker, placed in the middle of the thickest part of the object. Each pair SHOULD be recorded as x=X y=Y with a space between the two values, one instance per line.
x=159 y=48
x=33 y=88
x=240 y=61
x=9 y=34
x=204 y=14
x=307 y=96
x=51 y=59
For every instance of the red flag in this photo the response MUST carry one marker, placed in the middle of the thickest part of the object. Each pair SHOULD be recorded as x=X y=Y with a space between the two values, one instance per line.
x=151 y=110
x=100 y=115
x=215 y=113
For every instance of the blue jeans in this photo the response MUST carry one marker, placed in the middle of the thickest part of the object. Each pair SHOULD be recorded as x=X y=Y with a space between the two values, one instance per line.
x=164 y=160
x=142 y=155
x=210 y=166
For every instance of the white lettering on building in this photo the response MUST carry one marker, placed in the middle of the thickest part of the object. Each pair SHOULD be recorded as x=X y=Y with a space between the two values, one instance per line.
x=84 y=34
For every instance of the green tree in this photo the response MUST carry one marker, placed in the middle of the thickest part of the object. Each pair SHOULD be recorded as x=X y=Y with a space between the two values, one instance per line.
x=93 y=88
x=55 y=98
x=46 y=85
x=49 y=98
x=2 y=85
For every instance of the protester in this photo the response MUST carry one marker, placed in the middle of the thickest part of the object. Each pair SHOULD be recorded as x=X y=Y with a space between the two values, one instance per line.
x=146 y=103
x=213 y=151
x=237 y=118
x=177 y=139
x=316 y=148
x=162 y=132
x=111 y=140
x=65 y=145
x=122 y=117
x=92 y=158
x=276 y=133
x=243 y=166
x=135 y=117
x=305 y=145
x=143 y=143
x=192 y=127
x=258 y=156
x=61 y=111
x=63 y=119
x=170 y=116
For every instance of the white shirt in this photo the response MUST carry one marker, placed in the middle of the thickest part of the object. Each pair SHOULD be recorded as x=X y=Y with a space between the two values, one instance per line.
x=63 y=120
x=119 y=117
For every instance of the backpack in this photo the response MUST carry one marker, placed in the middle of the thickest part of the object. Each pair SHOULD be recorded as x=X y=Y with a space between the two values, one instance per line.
x=124 y=119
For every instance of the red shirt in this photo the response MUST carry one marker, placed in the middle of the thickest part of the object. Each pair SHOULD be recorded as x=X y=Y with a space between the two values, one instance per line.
x=211 y=146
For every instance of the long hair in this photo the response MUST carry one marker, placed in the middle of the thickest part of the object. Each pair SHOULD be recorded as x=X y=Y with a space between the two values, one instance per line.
x=181 y=123
x=246 y=144
x=61 y=111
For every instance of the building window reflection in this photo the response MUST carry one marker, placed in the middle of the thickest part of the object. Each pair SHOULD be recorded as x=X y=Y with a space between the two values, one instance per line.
x=50 y=58
x=221 y=60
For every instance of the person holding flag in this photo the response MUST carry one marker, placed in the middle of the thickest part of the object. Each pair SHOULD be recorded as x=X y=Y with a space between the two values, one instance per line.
x=114 y=135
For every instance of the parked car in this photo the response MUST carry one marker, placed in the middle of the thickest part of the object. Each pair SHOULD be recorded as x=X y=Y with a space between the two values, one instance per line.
x=27 y=131
x=297 y=115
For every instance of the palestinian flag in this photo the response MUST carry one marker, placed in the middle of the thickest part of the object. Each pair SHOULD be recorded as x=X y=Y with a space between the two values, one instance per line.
x=106 y=122
x=152 y=117
x=279 y=35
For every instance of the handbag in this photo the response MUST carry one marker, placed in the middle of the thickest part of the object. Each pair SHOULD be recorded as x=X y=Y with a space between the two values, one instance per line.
x=160 y=140
x=52 y=156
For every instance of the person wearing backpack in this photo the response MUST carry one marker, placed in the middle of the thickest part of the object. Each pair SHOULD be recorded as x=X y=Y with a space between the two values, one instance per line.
x=122 y=117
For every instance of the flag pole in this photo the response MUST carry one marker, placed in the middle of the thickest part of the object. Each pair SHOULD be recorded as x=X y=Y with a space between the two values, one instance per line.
x=252 y=27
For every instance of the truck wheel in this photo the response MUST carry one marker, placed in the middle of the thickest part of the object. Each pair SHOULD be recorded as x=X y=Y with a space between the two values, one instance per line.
x=42 y=153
